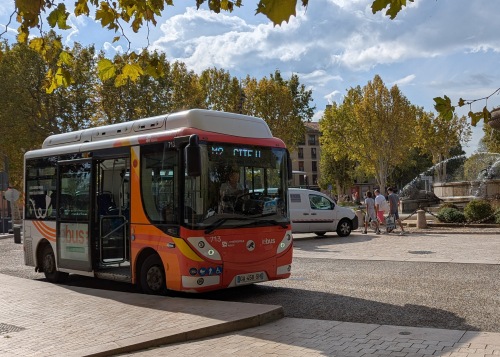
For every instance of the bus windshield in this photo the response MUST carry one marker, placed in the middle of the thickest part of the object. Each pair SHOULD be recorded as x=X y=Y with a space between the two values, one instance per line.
x=242 y=185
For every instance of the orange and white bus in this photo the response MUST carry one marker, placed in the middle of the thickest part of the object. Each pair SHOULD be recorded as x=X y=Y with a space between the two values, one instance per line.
x=141 y=202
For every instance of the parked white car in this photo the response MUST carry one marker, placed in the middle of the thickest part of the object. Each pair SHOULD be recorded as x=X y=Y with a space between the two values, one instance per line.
x=315 y=212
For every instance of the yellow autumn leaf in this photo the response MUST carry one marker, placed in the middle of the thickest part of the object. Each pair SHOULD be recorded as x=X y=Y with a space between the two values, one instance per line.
x=120 y=80
x=277 y=10
x=105 y=69
x=37 y=44
x=65 y=58
x=132 y=71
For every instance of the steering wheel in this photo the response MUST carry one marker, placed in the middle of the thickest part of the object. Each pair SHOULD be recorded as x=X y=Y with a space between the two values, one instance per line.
x=242 y=201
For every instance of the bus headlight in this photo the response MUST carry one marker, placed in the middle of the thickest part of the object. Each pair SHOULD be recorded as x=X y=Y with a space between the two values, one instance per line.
x=204 y=248
x=285 y=242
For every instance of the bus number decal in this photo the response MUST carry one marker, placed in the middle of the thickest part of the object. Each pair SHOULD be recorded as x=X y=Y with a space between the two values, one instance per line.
x=213 y=239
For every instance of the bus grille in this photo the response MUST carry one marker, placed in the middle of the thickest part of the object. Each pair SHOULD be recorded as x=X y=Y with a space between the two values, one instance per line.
x=28 y=252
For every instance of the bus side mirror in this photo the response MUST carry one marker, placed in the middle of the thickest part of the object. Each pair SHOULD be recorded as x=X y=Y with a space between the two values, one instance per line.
x=193 y=157
x=289 y=166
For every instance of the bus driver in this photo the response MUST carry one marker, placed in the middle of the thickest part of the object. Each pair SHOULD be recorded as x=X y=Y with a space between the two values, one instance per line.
x=229 y=191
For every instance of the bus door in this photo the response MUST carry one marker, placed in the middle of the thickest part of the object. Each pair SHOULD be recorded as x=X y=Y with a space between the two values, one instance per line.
x=74 y=188
x=112 y=214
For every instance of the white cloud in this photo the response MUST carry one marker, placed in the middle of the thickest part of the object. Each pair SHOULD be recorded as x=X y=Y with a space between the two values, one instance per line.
x=203 y=39
x=318 y=115
x=330 y=97
x=431 y=49
x=108 y=47
x=319 y=77
x=404 y=81
x=75 y=23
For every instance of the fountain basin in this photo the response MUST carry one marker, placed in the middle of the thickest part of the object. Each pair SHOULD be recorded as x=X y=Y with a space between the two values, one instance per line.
x=465 y=191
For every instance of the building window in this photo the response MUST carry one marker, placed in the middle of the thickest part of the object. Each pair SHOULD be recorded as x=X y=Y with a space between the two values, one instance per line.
x=315 y=179
x=314 y=167
x=313 y=153
x=312 y=140
x=301 y=153
x=301 y=165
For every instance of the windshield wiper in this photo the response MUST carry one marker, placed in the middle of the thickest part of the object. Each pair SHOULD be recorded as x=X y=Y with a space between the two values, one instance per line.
x=255 y=221
x=266 y=221
x=220 y=222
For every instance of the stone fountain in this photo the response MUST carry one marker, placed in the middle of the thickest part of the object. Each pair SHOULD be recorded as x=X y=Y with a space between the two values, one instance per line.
x=486 y=185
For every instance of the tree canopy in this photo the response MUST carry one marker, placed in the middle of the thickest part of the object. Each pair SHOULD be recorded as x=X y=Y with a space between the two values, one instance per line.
x=437 y=136
x=115 y=16
x=29 y=114
x=374 y=125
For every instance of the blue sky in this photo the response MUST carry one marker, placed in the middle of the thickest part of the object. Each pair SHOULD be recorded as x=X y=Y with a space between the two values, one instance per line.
x=431 y=49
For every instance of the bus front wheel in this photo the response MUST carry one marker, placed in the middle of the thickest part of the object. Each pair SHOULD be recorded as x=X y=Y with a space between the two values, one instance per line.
x=152 y=279
x=49 y=267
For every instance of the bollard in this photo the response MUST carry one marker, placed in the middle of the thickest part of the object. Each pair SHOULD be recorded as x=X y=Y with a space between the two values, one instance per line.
x=361 y=219
x=421 y=221
x=17 y=234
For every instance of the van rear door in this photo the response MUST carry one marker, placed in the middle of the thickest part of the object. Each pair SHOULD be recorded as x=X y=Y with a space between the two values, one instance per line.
x=299 y=211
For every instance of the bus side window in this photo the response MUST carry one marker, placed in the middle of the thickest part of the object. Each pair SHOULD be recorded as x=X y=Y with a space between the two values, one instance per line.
x=37 y=205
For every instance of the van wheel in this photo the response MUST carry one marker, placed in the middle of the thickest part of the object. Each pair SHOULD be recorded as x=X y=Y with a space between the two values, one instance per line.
x=344 y=228
x=49 y=267
x=152 y=278
x=320 y=234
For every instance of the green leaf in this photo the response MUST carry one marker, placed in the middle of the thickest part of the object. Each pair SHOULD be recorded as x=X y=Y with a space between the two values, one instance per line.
x=136 y=24
x=81 y=8
x=58 y=17
x=107 y=16
x=105 y=69
x=277 y=10
x=379 y=5
x=443 y=107
x=475 y=117
x=486 y=115
x=395 y=6
x=63 y=77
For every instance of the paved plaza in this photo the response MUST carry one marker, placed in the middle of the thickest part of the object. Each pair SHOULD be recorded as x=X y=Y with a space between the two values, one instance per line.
x=42 y=319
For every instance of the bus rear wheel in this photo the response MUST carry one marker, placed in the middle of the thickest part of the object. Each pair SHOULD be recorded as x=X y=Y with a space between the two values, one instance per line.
x=152 y=278
x=49 y=267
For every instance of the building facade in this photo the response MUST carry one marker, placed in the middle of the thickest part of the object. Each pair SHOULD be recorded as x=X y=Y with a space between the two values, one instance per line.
x=305 y=160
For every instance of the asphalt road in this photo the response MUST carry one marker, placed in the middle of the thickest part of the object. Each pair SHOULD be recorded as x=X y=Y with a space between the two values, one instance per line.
x=420 y=294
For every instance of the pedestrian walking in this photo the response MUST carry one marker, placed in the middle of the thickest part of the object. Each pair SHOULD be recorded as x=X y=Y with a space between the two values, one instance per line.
x=381 y=206
x=371 y=213
x=394 y=207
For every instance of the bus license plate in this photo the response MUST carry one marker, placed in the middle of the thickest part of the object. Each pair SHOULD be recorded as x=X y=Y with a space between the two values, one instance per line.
x=250 y=278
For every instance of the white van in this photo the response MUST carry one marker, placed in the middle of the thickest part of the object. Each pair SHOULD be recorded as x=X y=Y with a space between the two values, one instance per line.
x=315 y=212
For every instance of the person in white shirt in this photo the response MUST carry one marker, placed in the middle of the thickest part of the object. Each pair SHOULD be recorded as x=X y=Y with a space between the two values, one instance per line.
x=381 y=206
x=371 y=214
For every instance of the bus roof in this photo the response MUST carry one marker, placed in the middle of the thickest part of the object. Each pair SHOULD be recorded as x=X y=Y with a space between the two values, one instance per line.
x=206 y=120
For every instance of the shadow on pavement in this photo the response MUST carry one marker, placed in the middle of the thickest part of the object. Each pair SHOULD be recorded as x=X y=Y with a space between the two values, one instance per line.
x=326 y=306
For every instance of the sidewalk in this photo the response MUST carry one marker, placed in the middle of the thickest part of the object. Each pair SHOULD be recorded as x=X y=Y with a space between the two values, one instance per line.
x=42 y=319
